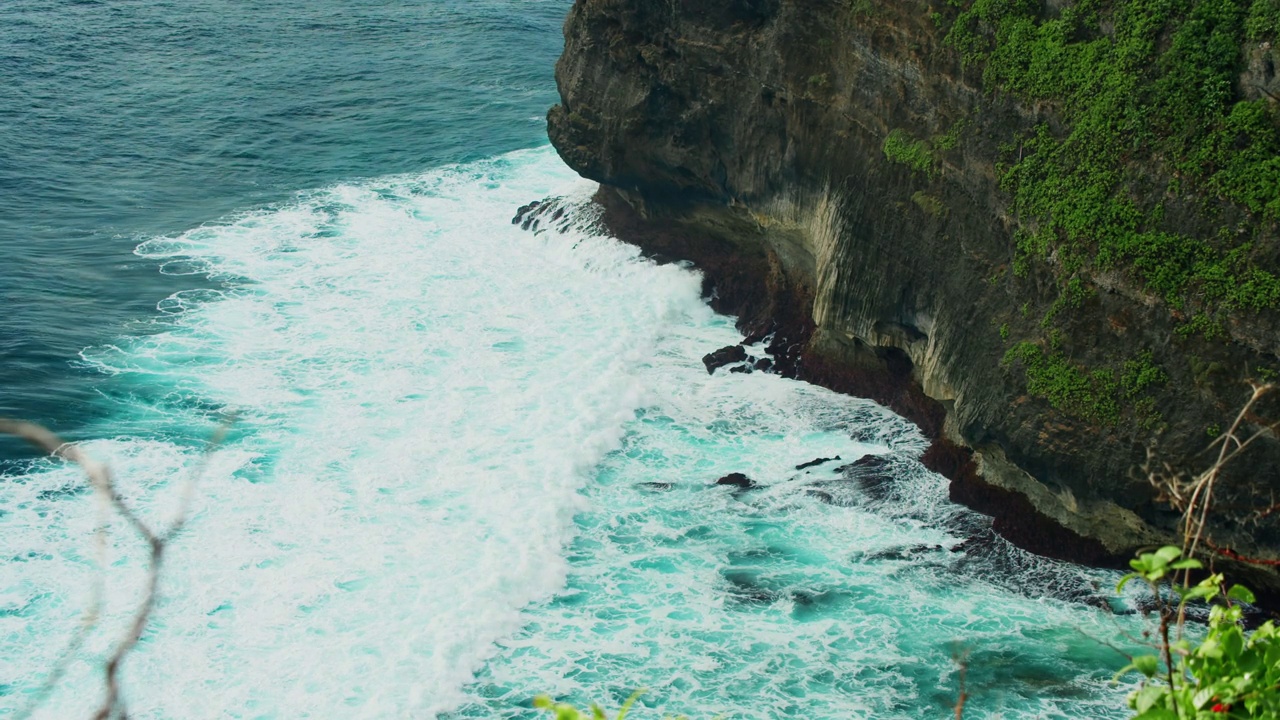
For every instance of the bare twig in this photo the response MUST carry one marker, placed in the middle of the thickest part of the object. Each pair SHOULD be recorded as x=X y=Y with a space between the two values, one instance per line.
x=103 y=483
x=961 y=658
x=1193 y=495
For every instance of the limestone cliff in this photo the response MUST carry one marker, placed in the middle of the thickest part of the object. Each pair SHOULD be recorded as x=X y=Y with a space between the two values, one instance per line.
x=833 y=168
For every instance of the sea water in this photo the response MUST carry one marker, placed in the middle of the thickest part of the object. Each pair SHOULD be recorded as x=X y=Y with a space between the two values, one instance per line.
x=470 y=463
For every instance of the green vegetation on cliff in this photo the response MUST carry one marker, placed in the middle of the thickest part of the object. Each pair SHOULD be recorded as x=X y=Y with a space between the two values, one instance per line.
x=1100 y=395
x=901 y=148
x=1156 y=135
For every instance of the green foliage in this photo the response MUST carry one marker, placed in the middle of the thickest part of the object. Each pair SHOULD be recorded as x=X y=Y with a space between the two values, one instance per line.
x=901 y=148
x=951 y=138
x=1090 y=396
x=1264 y=20
x=1228 y=674
x=863 y=8
x=563 y=711
x=1071 y=298
x=1101 y=396
x=1151 y=96
x=1140 y=373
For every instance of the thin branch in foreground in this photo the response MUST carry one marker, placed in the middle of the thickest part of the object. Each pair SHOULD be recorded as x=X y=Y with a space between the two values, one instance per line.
x=103 y=484
x=961 y=658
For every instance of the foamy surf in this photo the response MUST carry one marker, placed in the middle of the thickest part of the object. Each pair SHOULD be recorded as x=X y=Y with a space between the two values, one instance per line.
x=427 y=399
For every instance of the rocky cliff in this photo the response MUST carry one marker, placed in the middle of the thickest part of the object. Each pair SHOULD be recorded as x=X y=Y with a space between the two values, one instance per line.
x=841 y=172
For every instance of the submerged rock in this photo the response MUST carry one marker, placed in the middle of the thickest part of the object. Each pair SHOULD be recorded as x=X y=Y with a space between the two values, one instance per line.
x=901 y=552
x=822 y=496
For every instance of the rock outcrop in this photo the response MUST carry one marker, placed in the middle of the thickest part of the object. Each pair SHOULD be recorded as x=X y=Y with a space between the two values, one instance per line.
x=749 y=136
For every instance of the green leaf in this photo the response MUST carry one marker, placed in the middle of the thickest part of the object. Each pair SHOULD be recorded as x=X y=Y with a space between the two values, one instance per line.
x=1168 y=554
x=1146 y=664
x=1125 y=581
x=1241 y=593
x=1187 y=564
x=626 y=706
x=1203 y=696
x=543 y=701
x=1199 y=592
x=1157 y=713
x=1147 y=697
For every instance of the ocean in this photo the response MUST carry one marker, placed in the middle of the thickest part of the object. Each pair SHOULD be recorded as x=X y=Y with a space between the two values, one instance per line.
x=469 y=463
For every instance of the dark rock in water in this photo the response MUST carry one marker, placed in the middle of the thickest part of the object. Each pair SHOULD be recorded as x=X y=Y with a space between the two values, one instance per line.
x=548 y=214
x=840 y=493
x=821 y=496
x=658 y=486
x=873 y=474
x=866 y=463
x=982 y=543
x=902 y=552
x=1103 y=603
x=865 y=434
x=741 y=369
x=524 y=212
x=737 y=480
x=764 y=364
x=815 y=462
x=724 y=356
x=527 y=216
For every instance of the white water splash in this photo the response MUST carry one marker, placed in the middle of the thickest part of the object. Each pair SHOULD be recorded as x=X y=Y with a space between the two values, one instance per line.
x=424 y=392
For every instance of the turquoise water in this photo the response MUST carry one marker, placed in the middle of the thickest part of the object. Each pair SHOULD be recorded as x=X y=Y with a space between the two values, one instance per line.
x=471 y=463
x=123 y=119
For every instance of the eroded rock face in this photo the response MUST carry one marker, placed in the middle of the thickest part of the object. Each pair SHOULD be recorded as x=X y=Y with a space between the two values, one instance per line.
x=747 y=136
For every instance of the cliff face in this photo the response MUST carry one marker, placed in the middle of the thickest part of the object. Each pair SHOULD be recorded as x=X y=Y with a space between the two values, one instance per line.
x=779 y=145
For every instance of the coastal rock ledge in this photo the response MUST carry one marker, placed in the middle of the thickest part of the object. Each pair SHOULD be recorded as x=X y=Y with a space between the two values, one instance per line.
x=749 y=136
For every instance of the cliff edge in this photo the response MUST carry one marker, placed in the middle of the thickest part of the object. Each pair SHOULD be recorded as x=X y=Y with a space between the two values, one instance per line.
x=903 y=196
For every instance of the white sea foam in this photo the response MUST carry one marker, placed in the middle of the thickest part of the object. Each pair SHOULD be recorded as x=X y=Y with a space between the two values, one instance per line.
x=424 y=393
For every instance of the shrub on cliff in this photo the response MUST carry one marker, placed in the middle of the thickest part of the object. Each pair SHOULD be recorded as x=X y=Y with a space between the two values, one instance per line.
x=1228 y=674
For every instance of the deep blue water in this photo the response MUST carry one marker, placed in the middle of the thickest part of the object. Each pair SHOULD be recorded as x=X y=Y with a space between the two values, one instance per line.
x=121 y=119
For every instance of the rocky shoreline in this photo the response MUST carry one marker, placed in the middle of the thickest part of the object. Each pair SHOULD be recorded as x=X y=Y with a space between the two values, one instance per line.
x=771 y=315
x=775 y=146
x=774 y=326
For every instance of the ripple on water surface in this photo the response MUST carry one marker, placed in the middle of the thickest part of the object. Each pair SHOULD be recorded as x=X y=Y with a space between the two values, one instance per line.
x=475 y=463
